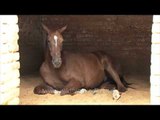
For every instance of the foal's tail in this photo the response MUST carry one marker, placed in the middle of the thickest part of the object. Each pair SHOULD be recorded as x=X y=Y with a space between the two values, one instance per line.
x=110 y=80
x=105 y=59
x=125 y=83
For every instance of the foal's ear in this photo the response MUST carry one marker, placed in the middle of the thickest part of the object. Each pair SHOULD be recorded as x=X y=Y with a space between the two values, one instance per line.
x=62 y=29
x=45 y=28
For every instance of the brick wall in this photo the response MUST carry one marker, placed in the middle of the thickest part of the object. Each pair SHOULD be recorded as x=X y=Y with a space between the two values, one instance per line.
x=30 y=41
x=126 y=37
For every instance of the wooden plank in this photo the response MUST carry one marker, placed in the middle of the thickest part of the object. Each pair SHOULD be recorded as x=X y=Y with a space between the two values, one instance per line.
x=6 y=72
x=14 y=101
x=156 y=28
x=155 y=38
x=155 y=49
x=155 y=100
x=6 y=97
x=155 y=80
x=8 y=19
x=9 y=57
x=9 y=37
x=155 y=61
x=9 y=67
x=155 y=69
x=6 y=48
x=9 y=85
x=155 y=90
x=156 y=18
x=9 y=28
x=9 y=64
x=7 y=77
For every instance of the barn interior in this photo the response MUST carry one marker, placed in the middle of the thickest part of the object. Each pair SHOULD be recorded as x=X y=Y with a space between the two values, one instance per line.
x=126 y=37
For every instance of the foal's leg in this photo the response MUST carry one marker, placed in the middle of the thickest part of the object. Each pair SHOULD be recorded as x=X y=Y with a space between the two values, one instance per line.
x=107 y=85
x=43 y=89
x=116 y=78
x=71 y=87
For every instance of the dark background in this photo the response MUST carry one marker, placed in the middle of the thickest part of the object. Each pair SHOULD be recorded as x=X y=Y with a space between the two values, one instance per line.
x=126 y=37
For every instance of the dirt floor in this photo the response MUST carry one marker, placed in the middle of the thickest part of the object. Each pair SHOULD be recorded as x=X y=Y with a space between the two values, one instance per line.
x=138 y=96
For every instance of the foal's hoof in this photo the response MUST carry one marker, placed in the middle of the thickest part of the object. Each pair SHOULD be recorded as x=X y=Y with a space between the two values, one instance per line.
x=122 y=89
x=39 y=90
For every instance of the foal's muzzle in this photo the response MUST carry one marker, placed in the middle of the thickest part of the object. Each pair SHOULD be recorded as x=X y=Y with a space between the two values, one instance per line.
x=57 y=62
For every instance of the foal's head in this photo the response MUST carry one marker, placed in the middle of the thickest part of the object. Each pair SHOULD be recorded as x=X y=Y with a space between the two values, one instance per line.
x=55 y=40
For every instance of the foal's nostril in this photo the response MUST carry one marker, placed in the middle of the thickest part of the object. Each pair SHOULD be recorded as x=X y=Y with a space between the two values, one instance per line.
x=57 y=63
